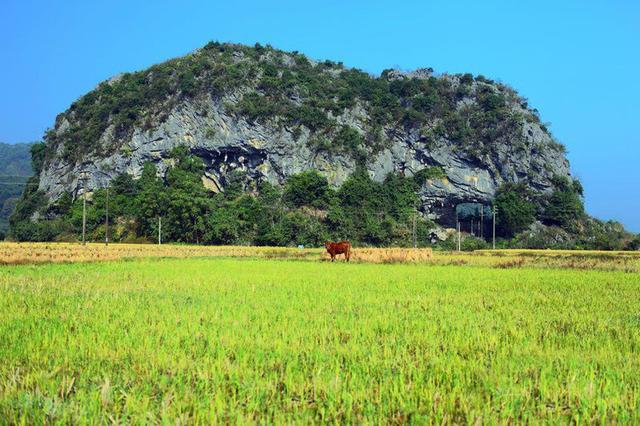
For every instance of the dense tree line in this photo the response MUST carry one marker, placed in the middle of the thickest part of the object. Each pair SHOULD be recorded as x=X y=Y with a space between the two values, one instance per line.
x=307 y=210
x=555 y=220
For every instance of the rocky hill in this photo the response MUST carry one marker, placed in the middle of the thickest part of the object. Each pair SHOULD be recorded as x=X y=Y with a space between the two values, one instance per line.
x=273 y=114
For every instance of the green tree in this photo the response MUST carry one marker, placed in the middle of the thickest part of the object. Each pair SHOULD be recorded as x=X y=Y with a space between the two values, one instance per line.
x=564 y=206
x=124 y=191
x=151 y=202
x=634 y=244
x=38 y=153
x=363 y=202
x=349 y=140
x=516 y=211
x=303 y=229
x=187 y=198
x=222 y=226
x=400 y=196
x=308 y=188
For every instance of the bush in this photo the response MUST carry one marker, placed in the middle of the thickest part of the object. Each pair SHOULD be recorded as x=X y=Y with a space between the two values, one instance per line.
x=564 y=205
x=36 y=231
x=516 y=211
x=543 y=237
x=634 y=244
x=466 y=79
x=595 y=234
x=312 y=118
x=348 y=139
x=256 y=107
x=491 y=101
x=467 y=243
x=308 y=189
x=471 y=243
x=428 y=173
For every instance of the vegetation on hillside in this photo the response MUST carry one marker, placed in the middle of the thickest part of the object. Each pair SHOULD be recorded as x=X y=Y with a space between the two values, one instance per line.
x=306 y=211
x=555 y=220
x=260 y=84
x=287 y=89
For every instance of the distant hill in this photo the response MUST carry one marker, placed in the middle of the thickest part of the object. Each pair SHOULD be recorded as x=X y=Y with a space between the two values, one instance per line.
x=15 y=170
x=15 y=159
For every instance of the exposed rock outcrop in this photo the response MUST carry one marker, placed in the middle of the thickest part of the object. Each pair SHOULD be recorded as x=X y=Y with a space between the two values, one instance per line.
x=218 y=127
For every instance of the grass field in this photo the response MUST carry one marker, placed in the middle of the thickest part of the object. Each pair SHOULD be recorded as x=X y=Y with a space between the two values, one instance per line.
x=30 y=253
x=238 y=340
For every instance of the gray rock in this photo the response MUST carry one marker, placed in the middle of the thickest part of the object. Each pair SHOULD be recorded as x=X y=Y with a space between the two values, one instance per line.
x=270 y=151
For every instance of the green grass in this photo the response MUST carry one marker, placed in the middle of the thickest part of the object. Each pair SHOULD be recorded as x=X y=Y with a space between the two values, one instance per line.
x=233 y=340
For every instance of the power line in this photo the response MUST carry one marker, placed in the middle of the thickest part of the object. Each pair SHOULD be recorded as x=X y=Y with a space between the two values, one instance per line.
x=19 y=184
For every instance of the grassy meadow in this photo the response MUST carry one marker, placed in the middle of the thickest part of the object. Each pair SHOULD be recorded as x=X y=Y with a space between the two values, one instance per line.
x=225 y=339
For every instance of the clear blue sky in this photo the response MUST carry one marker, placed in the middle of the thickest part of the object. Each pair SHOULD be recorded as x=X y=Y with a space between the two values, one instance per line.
x=577 y=61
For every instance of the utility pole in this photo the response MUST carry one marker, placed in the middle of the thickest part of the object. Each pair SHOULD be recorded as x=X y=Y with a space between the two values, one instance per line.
x=415 y=242
x=106 y=222
x=83 y=176
x=159 y=230
x=482 y=221
x=495 y=213
x=458 y=227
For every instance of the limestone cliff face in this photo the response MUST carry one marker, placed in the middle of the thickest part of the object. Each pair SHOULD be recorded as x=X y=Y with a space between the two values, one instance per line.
x=478 y=145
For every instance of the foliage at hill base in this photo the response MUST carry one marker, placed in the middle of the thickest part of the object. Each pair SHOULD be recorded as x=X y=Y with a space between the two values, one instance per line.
x=306 y=211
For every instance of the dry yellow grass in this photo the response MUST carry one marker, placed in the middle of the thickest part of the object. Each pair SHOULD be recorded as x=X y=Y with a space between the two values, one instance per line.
x=392 y=255
x=540 y=252
x=21 y=253
x=627 y=261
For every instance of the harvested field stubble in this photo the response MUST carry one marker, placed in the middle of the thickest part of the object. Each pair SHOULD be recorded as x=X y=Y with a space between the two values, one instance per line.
x=392 y=255
x=21 y=253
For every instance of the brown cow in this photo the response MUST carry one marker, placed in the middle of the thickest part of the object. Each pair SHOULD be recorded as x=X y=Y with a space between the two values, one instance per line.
x=341 y=247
